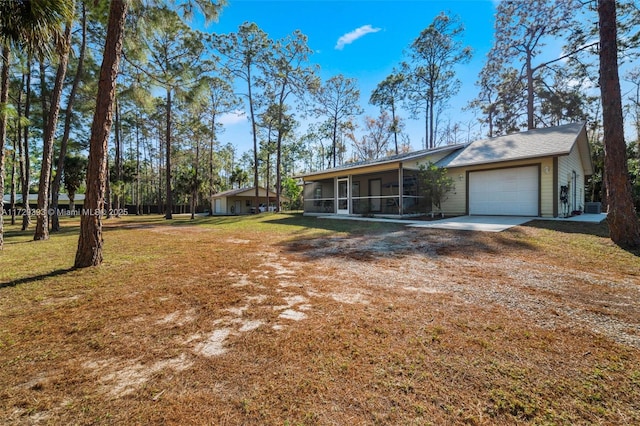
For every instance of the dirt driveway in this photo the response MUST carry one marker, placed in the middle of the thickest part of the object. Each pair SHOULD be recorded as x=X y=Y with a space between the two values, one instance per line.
x=546 y=290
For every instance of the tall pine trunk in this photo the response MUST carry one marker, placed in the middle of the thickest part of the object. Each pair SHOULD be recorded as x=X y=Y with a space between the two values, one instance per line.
x=42 y=218
x=624 y=228
x=90 y=243
x=530 y=92
x=431 y=119
x=57 y=180
x=395 y=125
x=254 y=132
x=25 y=159
x=169 y=208
x=211 y=178
x=12 y=200
x=138 y=202
x=4 y=96
x=117 y=166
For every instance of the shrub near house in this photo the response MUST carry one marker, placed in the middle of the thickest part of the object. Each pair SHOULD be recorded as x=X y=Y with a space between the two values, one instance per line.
x=435 y=184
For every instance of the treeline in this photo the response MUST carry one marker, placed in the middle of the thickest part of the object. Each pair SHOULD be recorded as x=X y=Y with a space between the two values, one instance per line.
x=162 y=117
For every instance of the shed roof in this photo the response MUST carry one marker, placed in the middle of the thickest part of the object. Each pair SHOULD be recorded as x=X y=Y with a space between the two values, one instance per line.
x=247 y=192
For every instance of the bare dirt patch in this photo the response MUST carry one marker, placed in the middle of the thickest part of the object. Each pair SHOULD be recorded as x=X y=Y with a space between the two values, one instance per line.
x=478 y=270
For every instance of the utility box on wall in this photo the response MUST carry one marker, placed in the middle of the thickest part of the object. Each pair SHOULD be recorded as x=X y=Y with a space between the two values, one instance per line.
x=594 y=208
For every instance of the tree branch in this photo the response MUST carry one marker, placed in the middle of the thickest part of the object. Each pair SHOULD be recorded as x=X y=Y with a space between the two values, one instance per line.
x=545 y=64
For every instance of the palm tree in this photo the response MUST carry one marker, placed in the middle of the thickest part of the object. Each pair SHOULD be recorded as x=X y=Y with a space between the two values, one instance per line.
x=34 y=27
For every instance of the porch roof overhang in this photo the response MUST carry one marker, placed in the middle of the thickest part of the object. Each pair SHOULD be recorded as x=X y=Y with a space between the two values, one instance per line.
x=393 y=162
x=334 y=173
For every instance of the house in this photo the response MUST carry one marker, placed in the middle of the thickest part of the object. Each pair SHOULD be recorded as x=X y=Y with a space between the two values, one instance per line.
x=63 y=200
x=539 y=172
x=242 y=201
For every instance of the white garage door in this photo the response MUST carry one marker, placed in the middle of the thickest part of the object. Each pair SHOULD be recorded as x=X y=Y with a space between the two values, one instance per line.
x=510 y=192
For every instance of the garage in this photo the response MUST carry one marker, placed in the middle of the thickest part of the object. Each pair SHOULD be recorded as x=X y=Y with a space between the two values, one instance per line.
x=508 y=192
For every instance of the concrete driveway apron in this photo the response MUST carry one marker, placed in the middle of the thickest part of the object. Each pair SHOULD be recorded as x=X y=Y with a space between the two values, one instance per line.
x=476 y=223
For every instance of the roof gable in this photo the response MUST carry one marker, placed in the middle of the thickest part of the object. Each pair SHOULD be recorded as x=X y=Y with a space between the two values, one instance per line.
x=552 y=141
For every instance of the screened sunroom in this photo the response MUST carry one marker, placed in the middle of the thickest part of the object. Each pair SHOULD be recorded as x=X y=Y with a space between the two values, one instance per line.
x=388 y=187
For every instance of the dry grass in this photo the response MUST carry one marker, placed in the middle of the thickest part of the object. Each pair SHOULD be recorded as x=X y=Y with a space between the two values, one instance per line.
x=278 y=319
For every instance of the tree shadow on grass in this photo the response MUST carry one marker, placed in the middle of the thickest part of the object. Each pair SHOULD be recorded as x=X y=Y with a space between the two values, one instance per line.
x=369 y=241
x=18 y=236
x=348 y=226
x=28 y=280
x=595 y=229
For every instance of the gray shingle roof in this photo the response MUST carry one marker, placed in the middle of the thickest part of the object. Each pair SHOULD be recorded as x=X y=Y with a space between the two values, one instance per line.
x=406 y=156
x=530 y=144
x=232 y=192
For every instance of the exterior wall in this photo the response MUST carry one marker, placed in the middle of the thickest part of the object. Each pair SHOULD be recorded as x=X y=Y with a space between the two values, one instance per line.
x=245 y=203
x=457 y=201
x=246 y=199
x=224 y=208
x=554 y=172
x=547 y=192
x=566 y=166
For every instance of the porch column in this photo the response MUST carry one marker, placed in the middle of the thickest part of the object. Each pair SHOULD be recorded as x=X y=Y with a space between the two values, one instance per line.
x=349 y=194
x=400 y=189
x=335 y=194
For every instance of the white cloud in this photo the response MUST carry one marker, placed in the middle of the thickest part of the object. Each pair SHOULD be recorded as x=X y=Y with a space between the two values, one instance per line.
x=349 y=38
x=235 y=117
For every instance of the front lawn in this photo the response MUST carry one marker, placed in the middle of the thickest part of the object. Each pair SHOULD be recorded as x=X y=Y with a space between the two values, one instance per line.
x=282 y=319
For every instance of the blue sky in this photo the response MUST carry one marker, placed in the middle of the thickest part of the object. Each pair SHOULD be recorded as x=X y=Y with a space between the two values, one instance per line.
x=362 y=39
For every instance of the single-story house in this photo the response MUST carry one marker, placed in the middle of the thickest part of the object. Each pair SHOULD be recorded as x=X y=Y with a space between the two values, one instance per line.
x=242 y=201
x=63 y=200
x=539 y=172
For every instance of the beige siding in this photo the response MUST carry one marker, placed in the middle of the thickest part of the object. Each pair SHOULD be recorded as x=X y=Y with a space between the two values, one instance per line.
x=546 y=187
x=415 y=164
x=566 y=166
x=456 y=203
